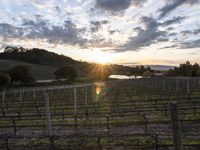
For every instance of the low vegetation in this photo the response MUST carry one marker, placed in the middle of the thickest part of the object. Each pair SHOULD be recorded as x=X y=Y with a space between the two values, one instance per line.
x=66 y=72
x=187 y=70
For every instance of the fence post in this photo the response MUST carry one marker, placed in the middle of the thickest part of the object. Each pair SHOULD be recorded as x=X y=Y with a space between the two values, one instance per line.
x=163 y=85
x=14 y=126
x=3 y=102
x=86 y=103
x=188 y=86
x=177 y=88
x=34 y=96
x=94 y=93
x=3 y=98
x=48 y=114
x=103 y=92
x=75 y=108
x=20 y=95
x=176 y=131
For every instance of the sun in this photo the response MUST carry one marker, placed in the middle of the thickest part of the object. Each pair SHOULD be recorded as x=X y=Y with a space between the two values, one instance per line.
x=102 y=57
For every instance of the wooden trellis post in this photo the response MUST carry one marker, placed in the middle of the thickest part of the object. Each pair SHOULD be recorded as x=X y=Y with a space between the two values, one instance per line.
x=3 y=99
x=20 y=95
x=188 y=86
x=86 y=102
x=176 y=131
x=34 y=96
x=3 y=102
x=177 y=85
x=48 y=114
x=94 y=93
x=163 y=85
x=75 y=108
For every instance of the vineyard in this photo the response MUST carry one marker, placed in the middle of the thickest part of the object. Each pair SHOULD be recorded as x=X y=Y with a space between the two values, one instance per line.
x=127 y=114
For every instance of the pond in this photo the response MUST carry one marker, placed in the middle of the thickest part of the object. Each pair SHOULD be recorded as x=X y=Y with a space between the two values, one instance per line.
x=123 y=77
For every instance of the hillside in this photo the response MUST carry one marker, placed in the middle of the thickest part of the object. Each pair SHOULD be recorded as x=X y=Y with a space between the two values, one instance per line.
x=43 y=63
x=160 y=67
x=40 y=72
x=36 y=56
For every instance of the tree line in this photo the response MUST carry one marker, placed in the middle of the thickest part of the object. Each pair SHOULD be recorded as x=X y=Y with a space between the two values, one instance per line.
x=22 y=75
x=185 y=70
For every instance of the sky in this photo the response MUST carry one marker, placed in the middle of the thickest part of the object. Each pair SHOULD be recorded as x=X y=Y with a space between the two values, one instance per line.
x=134 y=32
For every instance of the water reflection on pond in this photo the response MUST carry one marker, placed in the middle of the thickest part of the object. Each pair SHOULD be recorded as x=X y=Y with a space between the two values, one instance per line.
x=124 y=77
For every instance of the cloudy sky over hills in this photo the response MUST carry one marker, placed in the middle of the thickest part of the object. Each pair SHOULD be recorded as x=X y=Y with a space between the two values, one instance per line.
x=120 y=31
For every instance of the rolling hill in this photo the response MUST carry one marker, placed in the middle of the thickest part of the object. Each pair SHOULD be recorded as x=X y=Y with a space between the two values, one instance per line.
x=43 y=62
x=40 y=72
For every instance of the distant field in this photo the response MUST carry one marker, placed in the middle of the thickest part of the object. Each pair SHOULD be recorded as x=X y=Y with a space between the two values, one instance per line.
x=40 y=72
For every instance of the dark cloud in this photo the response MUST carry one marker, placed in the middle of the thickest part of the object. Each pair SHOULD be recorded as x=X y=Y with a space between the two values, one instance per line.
x=185 y=32
x=113 y=5
x=117 y=6
x=172 y=34
x=113 y=31
x=185 y=45
x=175 y=20
x=163 y=39
x=171 y=46
x=197 y=31
x=138 y=29
x=190 y=44
x=96 y=25
x=173 y=4
x=67 y=33
x=170 y=29
x=145 y=37
x=10 y=31
x=100 y=42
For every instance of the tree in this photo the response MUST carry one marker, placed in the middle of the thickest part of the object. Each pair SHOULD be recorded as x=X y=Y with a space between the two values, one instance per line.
x=186 y=69
x=4 y=78
x=21 y=74
x=101 y=72
x=66 y=72
x=148 y=74
x=195 y=70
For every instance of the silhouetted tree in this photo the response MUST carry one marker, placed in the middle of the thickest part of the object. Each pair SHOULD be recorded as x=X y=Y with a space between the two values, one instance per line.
x=186 y=69
x=21 y=74
x=100 y=72
x=148 y=73
x=66 y=72
x=4 y=78
x=140 y=70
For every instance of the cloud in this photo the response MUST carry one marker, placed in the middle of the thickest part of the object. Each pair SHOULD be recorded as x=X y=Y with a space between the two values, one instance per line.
x=175 y=20
x=96 y=25
x=67 y=33
x=39 y=4
x=185 y=45
x=190 y=44
x=117 y=6
x=145 y=37
x=185 y=32
x=170 y=46
x=173 y=4
x=9 y=31
x=113 y=31
x=197 y=31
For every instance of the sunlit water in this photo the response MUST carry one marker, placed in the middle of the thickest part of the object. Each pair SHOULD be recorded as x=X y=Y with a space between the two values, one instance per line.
x=122 y=77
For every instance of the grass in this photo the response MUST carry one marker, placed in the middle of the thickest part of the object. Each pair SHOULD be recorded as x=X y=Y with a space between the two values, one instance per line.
x=118 y=106
x=40 y=72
